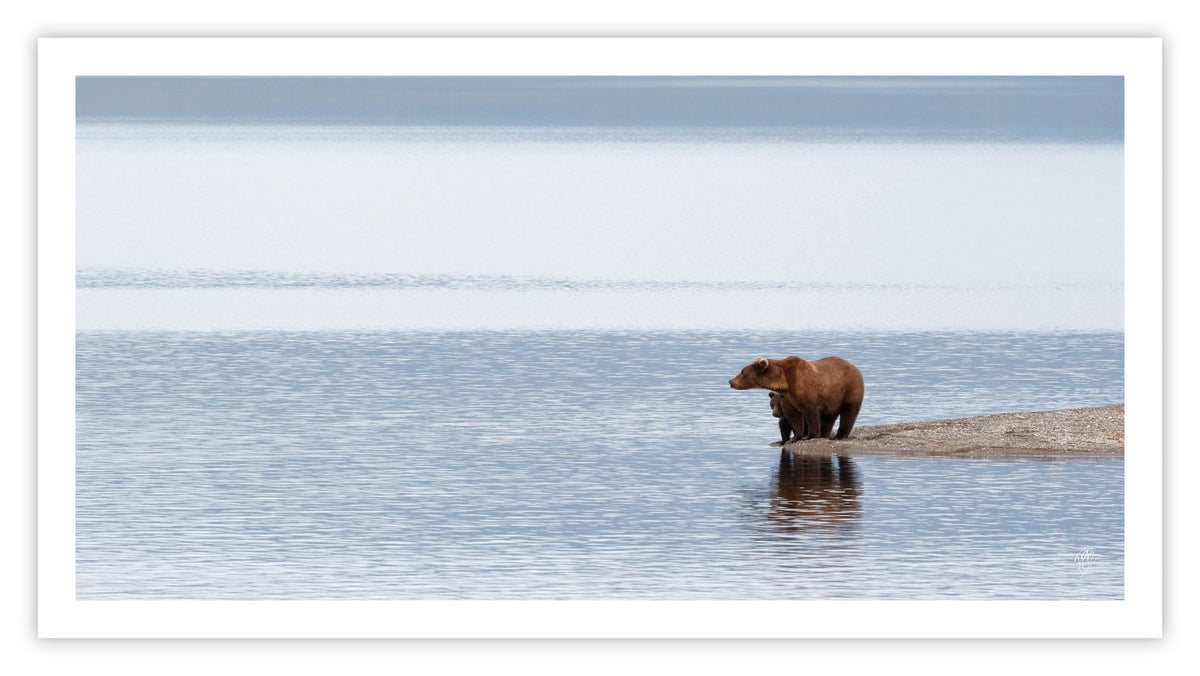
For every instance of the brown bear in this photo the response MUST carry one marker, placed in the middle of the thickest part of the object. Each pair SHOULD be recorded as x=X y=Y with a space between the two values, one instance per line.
x=812 y=394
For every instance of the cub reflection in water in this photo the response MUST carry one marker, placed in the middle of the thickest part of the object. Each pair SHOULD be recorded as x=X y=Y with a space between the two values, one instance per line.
x=814 y=492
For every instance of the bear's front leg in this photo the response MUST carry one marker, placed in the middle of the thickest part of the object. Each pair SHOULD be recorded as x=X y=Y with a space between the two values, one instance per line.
x=827 y=420
x=812 y=422
x=796 y=420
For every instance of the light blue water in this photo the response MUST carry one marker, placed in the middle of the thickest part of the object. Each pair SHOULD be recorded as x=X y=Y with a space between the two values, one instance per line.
x=373 y=205
x=570 y=465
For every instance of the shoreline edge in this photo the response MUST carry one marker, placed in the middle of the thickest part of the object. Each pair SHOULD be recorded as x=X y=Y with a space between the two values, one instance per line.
x=1095 y=432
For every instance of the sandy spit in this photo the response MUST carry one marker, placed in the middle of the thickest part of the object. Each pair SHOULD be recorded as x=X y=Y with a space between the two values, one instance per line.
x=1078 y=432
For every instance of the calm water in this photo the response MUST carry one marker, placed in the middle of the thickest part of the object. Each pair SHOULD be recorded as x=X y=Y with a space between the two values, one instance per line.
x=570 y=465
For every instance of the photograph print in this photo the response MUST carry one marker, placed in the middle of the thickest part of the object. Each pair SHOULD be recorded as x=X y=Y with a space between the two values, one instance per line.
x=599 y=338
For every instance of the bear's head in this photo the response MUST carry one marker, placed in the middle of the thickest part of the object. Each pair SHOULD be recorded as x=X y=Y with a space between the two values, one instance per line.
x=776 y=407
x=762 y=373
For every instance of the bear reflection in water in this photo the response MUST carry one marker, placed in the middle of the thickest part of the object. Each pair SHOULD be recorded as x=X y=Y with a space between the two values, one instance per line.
x=809 y=492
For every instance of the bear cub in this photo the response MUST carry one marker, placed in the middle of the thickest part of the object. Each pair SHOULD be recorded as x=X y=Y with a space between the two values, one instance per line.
x=785 y=427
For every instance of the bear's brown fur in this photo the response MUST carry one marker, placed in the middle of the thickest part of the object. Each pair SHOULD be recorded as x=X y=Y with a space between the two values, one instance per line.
x=813 y=395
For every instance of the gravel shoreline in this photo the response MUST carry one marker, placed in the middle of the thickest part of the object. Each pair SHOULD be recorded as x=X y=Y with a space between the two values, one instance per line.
x=1097 y=432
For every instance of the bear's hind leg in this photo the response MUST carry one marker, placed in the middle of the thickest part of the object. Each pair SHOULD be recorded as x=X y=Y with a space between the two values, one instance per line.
x=849 y=413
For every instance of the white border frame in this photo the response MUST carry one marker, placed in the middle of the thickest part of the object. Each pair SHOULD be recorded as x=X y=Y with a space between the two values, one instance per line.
x=1139 y=60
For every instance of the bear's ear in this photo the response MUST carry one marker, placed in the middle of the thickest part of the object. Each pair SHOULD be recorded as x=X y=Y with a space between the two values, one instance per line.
x=762 y=363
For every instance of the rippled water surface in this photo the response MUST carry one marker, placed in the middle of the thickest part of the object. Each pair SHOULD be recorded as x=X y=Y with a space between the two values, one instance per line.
x=570 y=465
